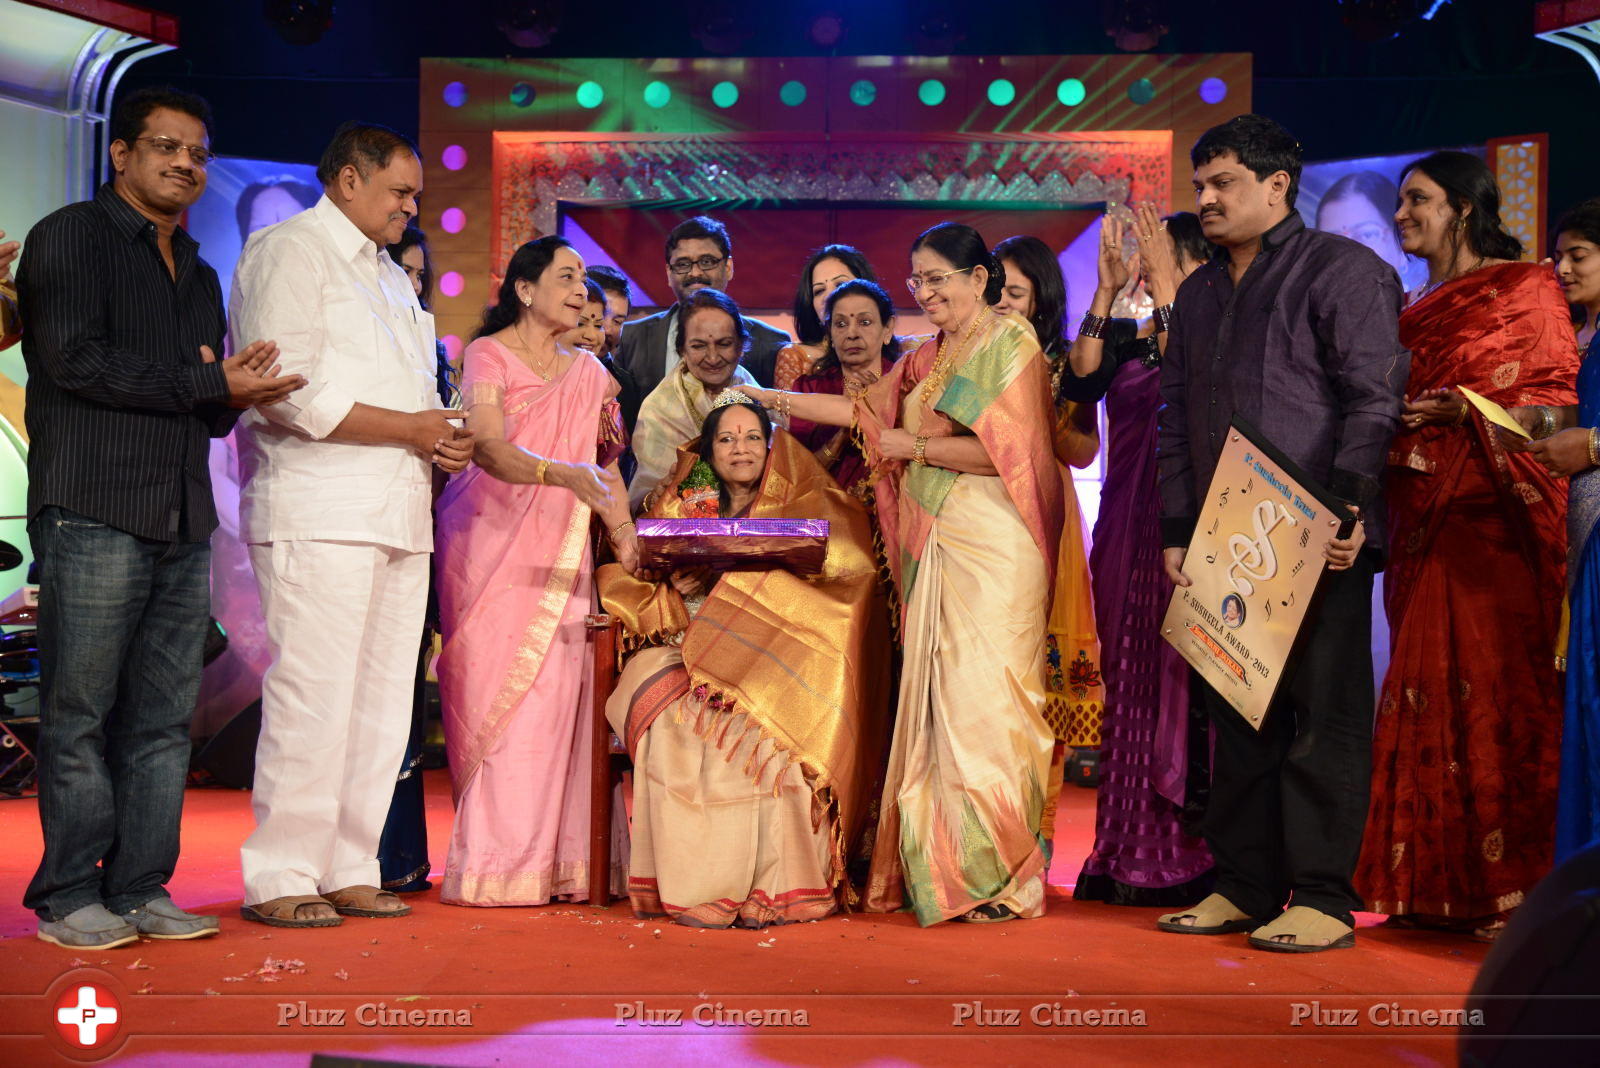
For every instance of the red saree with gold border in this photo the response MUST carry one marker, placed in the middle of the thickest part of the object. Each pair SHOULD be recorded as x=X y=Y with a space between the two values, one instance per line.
x=1467 y=739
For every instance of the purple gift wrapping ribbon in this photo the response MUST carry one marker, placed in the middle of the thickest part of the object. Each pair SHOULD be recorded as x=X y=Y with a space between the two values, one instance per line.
x=768 y=528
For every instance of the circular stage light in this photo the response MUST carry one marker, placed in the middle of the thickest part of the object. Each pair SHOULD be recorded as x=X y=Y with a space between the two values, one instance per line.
x=1071 y=92
x=522 y=94
x=658 y=94
x=1002 y=92
x=1142 y=91
x=452 y=347
x=931 y=92
x=827 y=29
x=793 y=94
x=590 y=95
x=453 y=220
x=724 y=94
x=454 y=158
x=1213 y=90
x=451 y=283
x=455 y=94
x=863 y=93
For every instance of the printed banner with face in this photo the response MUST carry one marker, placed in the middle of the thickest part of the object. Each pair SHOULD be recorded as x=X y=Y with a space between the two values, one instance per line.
x=1254 y=562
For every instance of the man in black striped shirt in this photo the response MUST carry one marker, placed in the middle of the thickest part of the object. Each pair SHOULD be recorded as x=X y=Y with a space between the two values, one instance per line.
x=124 y=393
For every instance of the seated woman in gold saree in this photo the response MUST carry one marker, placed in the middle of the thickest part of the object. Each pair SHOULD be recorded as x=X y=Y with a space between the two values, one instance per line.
x=755 y=703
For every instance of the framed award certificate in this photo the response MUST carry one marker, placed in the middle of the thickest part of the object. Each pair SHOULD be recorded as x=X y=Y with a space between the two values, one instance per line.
x=1254 y=563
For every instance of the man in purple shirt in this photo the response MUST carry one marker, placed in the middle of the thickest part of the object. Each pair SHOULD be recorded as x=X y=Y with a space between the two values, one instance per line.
x=1297 y=331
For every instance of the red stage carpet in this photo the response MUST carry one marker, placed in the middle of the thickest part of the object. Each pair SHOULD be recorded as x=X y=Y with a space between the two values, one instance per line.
x=574 y=984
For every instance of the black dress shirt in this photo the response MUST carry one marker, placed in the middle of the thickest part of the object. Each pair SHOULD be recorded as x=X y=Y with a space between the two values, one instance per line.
x=120 y=407
x=1306 y=348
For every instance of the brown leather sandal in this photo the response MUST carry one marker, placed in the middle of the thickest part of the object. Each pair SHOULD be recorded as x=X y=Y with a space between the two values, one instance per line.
x=285 y=912
x=362 y=900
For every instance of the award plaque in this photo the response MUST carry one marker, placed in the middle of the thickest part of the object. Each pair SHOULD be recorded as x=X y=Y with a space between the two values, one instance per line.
x=1254 y=563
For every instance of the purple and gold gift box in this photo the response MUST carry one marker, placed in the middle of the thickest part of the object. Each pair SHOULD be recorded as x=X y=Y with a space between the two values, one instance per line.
x=796 y=545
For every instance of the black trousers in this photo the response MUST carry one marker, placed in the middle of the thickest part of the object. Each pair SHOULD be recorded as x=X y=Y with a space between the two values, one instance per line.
x=1289 y=803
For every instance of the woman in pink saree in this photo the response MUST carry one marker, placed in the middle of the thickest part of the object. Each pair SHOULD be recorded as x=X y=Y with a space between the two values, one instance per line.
x=515 y=581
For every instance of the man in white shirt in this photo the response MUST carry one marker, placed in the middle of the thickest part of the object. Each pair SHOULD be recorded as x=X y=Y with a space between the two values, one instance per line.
x=336 y=506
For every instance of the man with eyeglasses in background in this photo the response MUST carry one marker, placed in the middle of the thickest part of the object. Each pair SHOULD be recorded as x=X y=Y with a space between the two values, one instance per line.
x=125 y=391
x=699 y=256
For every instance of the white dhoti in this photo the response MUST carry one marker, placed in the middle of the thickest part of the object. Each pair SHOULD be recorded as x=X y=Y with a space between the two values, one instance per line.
x=343 y=624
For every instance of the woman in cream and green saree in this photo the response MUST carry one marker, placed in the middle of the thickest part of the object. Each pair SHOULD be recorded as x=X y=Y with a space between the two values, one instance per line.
x=970 y=504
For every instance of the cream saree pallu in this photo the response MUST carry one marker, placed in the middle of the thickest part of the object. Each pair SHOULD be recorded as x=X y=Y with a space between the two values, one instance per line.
x=756 y=742
x=514 y=585
x=974 y=559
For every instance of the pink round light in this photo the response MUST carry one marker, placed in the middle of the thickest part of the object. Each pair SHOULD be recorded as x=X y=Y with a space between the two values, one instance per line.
x=452 y=347
x=451 y=283
x=454 y=158
x=454 y=220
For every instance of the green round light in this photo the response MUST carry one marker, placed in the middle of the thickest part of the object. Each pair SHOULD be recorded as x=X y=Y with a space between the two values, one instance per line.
x=657 y=94
x=724 y=94
x=1142 y=91
x=1001 y=92
x=931 y=92
x=1071 y=92
x=590 y=95
x=793 y=94
x=863 y=93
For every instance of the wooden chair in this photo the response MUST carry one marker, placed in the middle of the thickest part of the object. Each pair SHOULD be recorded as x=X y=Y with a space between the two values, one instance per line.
x=608 y=756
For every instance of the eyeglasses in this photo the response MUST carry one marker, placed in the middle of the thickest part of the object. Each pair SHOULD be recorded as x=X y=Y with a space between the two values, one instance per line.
x=704 y=263
x=934 y=280
x=166 y=146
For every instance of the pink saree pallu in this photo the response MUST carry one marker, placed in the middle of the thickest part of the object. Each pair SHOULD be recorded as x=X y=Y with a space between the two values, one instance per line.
x=515 y=581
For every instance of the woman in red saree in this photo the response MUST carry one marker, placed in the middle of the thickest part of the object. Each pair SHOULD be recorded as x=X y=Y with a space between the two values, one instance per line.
x=1467 y=743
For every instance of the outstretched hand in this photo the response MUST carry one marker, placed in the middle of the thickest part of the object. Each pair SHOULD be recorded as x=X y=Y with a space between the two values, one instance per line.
x=252 y=375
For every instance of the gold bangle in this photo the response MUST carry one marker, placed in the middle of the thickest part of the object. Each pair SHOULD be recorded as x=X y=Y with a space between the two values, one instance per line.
x=919 y=452
x=1594 y=446
x=538 y=472
x=612 y=533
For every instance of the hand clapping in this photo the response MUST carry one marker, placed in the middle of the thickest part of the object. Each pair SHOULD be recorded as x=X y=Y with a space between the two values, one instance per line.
x=252 y=375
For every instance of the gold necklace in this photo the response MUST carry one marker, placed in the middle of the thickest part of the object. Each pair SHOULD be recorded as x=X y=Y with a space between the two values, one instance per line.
x=516 y=328
x=933 y=384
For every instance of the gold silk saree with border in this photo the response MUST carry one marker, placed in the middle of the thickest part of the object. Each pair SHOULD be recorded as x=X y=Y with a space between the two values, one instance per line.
x=779 y=689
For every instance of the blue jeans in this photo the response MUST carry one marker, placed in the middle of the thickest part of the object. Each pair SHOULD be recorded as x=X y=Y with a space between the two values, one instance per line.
x=122 y=624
